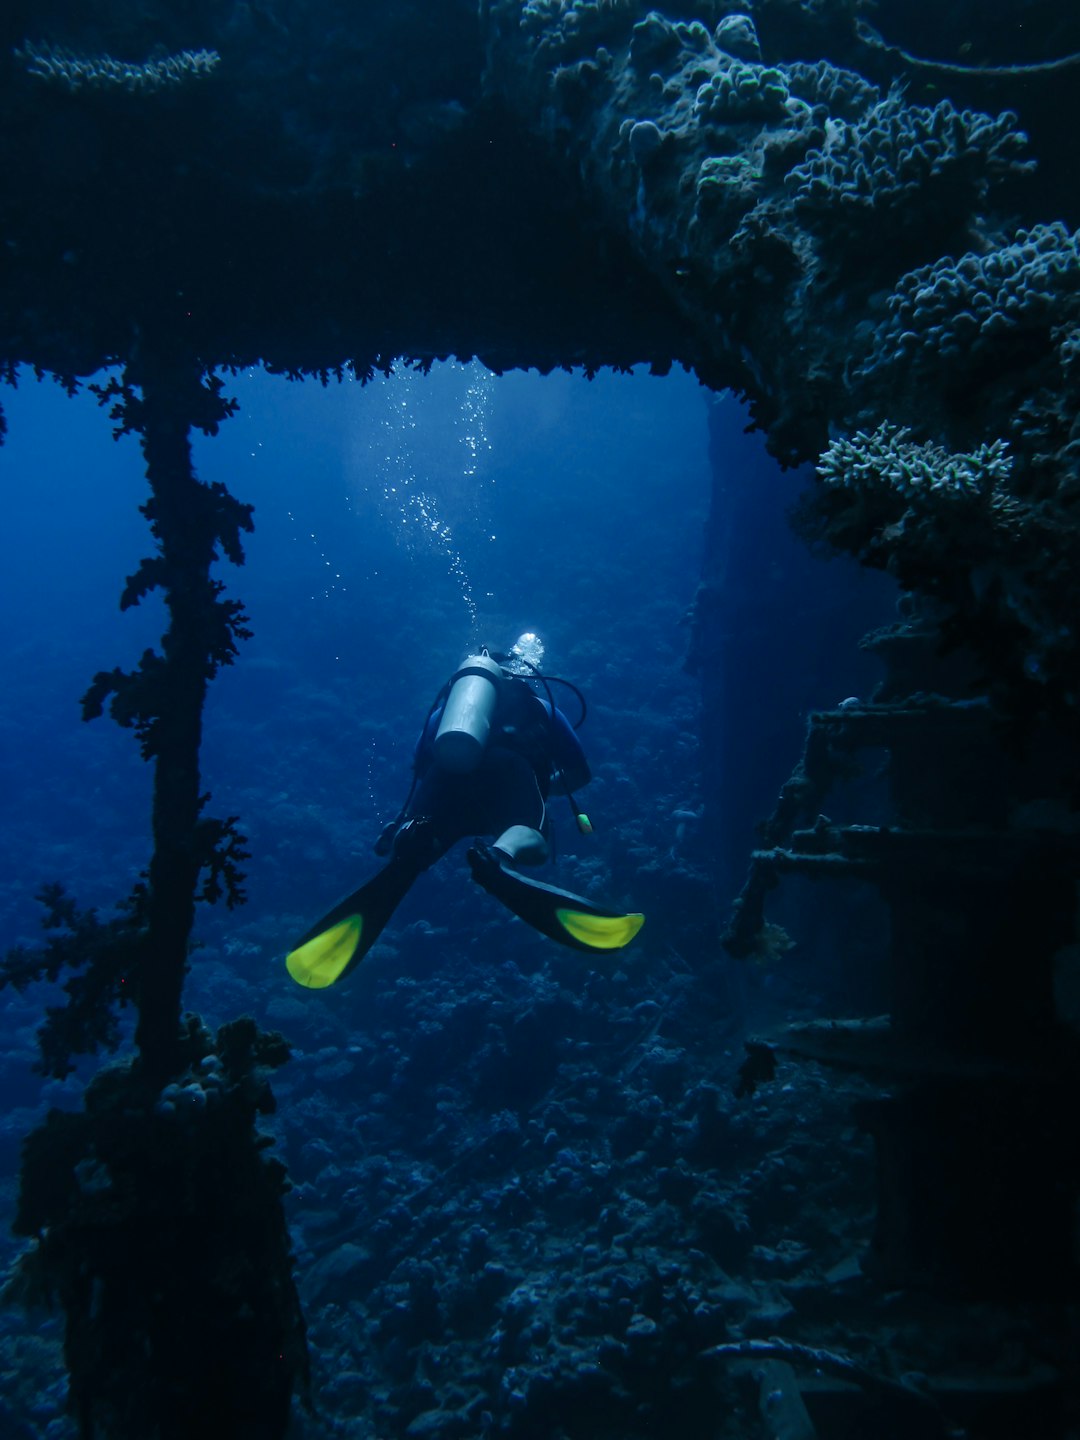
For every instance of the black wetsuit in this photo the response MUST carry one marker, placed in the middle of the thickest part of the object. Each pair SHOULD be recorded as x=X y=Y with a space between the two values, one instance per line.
x=531 y=744
x=510 y=785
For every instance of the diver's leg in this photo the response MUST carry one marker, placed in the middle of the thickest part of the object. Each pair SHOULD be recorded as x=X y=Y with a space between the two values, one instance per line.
x=570 y=919
x=341 y=939
x=522 y=845
x=516 y=812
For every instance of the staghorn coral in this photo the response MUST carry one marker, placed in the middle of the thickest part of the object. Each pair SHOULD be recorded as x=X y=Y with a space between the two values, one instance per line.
x=102 y=72
x=887 y=462
x=969 y=529
x=885 y=496
x=920 y=172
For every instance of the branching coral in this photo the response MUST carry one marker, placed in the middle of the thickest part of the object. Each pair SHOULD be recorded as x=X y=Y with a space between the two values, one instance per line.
x=885 y=497
x=887 y=463
x=967 y=529
x=101 y=72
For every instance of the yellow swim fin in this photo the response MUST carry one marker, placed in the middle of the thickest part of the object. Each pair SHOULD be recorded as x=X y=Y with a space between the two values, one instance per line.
x=320 y=961
x=341 y=939
x=570 y=919
x=600 y=932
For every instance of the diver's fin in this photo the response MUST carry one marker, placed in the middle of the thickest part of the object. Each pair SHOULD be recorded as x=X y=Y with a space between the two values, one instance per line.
x=570 y=919
x=343 y=937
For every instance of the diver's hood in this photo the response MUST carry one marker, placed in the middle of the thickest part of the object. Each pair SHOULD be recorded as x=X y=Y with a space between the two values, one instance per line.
x=526 y=655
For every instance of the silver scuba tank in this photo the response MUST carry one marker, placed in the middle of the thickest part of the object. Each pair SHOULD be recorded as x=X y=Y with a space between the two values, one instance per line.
x=467 y=715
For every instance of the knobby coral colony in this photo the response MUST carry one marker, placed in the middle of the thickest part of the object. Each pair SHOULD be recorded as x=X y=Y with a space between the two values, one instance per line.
x=992 y=333
x=102 y=72
x=1009 y=308
x=755 y=183
x=868 y=171
x=810 y=225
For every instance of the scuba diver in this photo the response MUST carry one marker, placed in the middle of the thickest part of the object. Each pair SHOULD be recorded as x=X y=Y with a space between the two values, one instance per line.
x=490 y=752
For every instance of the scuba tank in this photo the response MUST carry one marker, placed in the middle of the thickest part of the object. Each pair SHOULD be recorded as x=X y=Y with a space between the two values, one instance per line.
x=467 y=715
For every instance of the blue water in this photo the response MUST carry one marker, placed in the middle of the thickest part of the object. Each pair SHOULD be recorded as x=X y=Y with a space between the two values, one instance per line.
x=397 y=525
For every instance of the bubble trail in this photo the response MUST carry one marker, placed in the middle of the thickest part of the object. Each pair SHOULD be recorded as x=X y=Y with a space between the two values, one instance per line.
x=409 y=441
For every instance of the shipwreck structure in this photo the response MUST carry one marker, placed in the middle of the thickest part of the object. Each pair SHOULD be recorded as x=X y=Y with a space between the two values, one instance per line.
x=866 y=232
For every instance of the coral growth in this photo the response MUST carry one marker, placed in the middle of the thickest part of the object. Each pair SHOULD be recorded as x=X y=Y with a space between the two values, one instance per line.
x=141 y=955
x=741 y=90
x=887 y=465
x=902 y=169
x=102 y=962
x=1016 y=304
x=77 y=73
x=751 y=179
x=157 y=1224
x=970 y=530
x=162 y=699
x=844 y=94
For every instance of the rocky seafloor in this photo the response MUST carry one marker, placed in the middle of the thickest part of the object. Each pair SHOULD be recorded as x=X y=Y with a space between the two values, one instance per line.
x=527 y=1201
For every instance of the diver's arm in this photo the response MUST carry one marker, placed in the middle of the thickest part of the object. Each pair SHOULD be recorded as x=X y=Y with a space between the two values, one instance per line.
x=425 y=741
x=422 y=752
x=568 y=762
